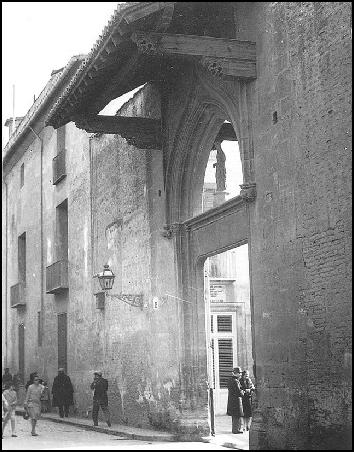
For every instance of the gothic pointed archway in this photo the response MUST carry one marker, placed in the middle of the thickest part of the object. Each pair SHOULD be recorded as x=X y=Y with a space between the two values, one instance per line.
x=206 y=103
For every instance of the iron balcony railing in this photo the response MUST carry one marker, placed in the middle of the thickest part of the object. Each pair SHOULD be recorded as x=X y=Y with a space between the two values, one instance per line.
x=18 y=295
x=57 y=277
x=59 y=168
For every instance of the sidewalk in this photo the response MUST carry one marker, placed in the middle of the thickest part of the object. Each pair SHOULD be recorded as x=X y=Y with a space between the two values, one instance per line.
x=115 y=429
x=222 y=438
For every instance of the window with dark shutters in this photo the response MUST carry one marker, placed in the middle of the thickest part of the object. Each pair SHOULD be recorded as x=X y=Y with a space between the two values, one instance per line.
x=39 y=328
x=225 y=361
x=21 y=258
x=224 y=323
x=62 y=340
x=213 y=359
x=22 y=175
x=21 y=351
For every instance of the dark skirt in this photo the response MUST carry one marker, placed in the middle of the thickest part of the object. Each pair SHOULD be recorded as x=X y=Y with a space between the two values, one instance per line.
x=247 y=406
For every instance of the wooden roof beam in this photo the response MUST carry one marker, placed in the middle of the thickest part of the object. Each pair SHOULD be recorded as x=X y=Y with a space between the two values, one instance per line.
x=221 y=56
x=143 y=133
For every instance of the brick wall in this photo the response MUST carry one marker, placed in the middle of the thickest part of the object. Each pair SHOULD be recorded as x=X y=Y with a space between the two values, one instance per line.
x=300 y=237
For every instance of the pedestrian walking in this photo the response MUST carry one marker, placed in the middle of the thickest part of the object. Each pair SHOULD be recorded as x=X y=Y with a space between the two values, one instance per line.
x=32 y=403
x=62 y=392
x=4 y=408
x=16 y=381
x=6 y=378
x=100 y=398
x=11 y=399
x=30 y=381
x=234 y=402
x=248 y=387
x=45 y=398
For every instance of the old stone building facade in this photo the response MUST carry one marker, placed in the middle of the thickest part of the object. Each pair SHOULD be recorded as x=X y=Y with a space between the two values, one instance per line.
x=276 y=78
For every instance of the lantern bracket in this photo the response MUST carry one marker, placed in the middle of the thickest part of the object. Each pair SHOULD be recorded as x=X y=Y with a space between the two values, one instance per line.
x=136 y=301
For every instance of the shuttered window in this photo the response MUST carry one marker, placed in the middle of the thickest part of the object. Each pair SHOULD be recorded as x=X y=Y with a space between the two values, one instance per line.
x=62 y=340
x=21 y=351
x=39 y=324
x=21 y=258
x=213 y=359
x=22 y=175
x=225 y=361
x=224 y=323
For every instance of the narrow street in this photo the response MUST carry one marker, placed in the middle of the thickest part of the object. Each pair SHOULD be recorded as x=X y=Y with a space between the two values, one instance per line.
x=61 y=437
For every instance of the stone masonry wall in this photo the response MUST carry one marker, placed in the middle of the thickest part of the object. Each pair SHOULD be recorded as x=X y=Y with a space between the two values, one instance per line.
x=300 y=222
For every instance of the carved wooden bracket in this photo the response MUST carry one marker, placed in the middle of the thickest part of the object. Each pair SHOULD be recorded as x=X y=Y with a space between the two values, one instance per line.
x=170 y=230
x=248 y=191
x=145 y=43
x=213 y=65
x=220 y=56
x=144 y=133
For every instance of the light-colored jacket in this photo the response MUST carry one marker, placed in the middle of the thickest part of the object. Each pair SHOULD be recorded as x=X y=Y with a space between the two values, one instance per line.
x=11 y=397
x=33 y=396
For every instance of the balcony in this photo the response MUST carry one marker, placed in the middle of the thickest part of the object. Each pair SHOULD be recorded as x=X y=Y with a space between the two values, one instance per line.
x=59 y=170
x=18 y=295
x=57 y=277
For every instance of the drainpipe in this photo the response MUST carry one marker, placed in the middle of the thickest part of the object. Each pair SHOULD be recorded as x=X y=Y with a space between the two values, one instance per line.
x=6 y=274
x=91 y=202
x=41 y=227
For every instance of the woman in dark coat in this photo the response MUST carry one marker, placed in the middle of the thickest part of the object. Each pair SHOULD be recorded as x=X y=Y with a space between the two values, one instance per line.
x=234 y=401
x=248 y=387
x=62 y=391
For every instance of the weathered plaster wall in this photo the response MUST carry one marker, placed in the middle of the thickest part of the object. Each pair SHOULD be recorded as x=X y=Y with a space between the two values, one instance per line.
x=23 y=215
x=137 y=350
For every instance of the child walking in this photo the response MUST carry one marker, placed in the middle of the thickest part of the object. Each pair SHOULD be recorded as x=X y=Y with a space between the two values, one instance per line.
x=11 y=398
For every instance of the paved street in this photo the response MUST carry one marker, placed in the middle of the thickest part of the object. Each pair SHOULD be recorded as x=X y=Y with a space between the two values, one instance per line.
x=60 y=436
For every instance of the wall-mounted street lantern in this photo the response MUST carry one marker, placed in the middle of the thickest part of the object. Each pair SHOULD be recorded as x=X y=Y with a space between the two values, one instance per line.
x=106 y=280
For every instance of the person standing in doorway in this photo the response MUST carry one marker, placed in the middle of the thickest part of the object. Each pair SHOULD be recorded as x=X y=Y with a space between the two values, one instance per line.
x=100 y=398
x=11 y=398
x=248 y=387
x=32 y=403
x=62 y=391
x=234 y=402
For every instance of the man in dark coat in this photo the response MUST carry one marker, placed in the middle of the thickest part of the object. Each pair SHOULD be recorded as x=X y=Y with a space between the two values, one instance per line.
x=234 y=402
x=62 y=391
x=100 y=398
x=7 y=377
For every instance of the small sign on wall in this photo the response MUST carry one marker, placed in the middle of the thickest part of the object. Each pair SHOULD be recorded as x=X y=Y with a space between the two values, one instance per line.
x=155 y=303
x=217 y=293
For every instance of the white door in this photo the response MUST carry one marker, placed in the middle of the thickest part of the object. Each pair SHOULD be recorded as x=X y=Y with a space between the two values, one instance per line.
x=223 y=356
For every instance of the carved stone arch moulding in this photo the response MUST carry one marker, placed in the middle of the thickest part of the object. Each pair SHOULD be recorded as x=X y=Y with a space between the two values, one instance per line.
x=209 y=99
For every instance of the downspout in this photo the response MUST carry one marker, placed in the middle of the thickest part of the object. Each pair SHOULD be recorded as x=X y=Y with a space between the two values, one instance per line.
x=41 y=227
x=6 y=272
x=91 y=204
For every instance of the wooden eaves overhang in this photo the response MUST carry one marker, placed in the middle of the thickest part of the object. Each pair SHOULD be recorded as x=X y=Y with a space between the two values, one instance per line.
x=34 y=118
x=136 y=47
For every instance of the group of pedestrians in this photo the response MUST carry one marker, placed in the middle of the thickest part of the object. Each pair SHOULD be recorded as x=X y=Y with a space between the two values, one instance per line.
x=239 y=404
x=37 y=398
